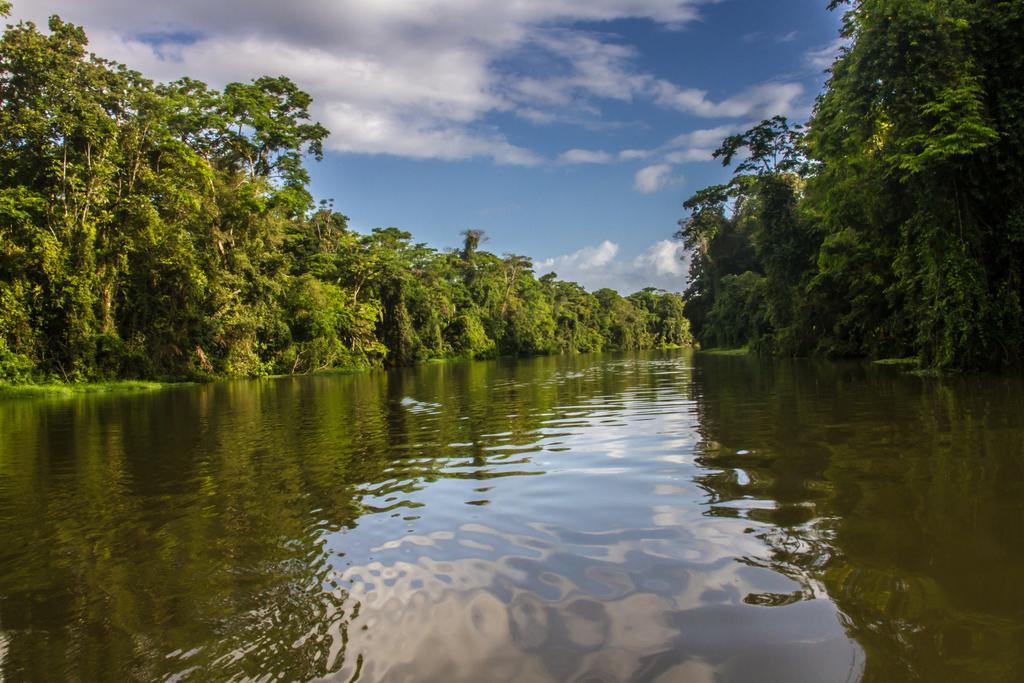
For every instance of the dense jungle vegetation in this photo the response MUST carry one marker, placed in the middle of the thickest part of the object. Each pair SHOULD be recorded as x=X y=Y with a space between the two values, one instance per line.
x=166 y=231
x=155 y=230
x=893 y=223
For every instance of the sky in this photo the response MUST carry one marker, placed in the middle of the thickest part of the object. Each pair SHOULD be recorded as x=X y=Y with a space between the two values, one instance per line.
x=570 y=131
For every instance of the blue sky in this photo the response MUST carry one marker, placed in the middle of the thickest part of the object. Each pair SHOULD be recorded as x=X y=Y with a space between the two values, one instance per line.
x=569 y=130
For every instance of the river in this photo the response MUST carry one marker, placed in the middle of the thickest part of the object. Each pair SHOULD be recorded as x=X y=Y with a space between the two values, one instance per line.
x=665 y=516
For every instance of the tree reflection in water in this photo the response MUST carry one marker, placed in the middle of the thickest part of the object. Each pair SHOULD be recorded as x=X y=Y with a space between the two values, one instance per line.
x=603 y=518
x=900 y=498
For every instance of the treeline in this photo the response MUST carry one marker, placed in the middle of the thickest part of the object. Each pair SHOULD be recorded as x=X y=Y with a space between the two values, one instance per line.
x=166 y=231
x=893 y=224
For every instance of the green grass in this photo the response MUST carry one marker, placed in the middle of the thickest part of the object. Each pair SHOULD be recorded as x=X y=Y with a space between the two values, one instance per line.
x=912 y=366
x=741 y=351
x=899 y=362
x=932 y=373
x=61 y=389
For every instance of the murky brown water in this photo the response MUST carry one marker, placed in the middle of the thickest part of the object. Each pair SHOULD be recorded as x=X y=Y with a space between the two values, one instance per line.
x=661 y=517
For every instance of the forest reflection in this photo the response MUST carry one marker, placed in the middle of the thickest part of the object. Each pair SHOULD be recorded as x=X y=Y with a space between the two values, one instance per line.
x=899 y=498
x=563 y=518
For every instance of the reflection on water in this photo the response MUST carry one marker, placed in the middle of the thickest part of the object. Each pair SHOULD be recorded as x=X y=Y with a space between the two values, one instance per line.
x=661 y=517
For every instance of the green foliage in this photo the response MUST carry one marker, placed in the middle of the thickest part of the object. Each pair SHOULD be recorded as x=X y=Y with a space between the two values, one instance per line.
x=666 y=322
x=739 y=315
x=19 y=389
x=14 y=367
x=469 y=339
x=891 y=225
x=770 y=148
x=167 y=231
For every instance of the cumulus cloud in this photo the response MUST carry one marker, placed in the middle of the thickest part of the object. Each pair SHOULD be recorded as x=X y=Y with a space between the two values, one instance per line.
x=388 y=76
x=662 y=265
x=654 y=178
x=586 y=259
x=663 y=259
x=413 y=78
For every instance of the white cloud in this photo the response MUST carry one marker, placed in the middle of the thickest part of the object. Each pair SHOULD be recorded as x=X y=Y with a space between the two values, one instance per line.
x=823 y=57
x=683 y=156
x=758 y=36
x=698 y=145
x=583 y=65
x=536 y=116
x=416 y=78
x=704 y=137
x=661 y=265
x=410 y=77
x=654 y=178
x=370 y=132
x=760 y=101
x=664 y=259
x=694 y=146
x=585 y=156
x=586 y=259
x=630 y=154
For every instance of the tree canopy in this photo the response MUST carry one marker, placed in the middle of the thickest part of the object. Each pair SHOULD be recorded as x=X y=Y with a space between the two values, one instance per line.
x=893 y=223
x=166 y=230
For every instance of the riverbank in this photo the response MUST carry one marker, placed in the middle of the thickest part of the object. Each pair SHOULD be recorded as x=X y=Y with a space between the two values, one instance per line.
x=741 y=351
x=68 y=389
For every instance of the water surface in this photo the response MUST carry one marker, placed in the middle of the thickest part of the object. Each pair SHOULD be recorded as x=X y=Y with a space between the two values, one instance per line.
x=656 y=517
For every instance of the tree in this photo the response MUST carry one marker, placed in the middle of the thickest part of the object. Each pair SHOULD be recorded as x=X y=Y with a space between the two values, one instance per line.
x=892 y=223
x=167 y=230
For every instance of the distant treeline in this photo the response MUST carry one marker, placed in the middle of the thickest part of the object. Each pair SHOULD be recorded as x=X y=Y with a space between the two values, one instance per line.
x=893 y=224
x=166 y=231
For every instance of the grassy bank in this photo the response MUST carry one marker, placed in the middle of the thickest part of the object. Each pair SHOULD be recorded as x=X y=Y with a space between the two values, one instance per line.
x=912 y=366
x=909 y=363
x=59 y=389
x=741 y=351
